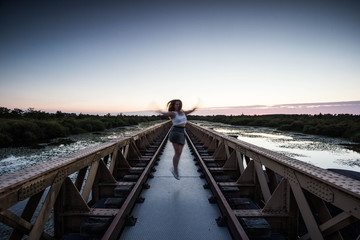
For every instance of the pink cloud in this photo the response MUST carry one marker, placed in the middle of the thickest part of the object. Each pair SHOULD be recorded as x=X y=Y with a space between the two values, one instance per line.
x=352 y=107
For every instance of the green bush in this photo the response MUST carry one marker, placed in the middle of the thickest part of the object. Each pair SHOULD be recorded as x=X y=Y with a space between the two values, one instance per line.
x=21 y=128
x=52 y=129
x=297 y=126
x=309 y=129
x=30 y=137
x=23 y=132
x=108 y=124
x=5 y=140
x=120 y=123
x=355 y=137
x=91 y=125
x=328 y=130
x=70 y=125
x=285 y=127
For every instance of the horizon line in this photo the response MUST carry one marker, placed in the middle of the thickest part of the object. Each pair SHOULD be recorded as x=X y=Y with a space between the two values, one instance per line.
x=339 y=107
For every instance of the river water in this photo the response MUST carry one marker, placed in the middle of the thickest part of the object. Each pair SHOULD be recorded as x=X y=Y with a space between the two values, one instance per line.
x=14 y=159
x=324 y=152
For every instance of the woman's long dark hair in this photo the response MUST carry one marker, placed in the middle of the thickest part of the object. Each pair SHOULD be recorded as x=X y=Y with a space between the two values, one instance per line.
x=171 y=105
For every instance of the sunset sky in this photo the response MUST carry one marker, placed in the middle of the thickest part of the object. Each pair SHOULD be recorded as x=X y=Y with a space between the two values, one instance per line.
x=111 y=56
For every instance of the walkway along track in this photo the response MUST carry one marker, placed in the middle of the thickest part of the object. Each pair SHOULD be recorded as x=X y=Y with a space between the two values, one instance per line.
x=260 y=193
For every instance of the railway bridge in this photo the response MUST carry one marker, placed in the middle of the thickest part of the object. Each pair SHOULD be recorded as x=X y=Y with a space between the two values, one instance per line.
x=229 y=189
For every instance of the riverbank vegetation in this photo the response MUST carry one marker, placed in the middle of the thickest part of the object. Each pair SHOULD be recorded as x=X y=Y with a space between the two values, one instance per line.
x=342 y=125
x=29 y=127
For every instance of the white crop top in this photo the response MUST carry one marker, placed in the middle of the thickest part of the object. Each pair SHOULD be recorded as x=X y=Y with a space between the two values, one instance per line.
x=179 y=119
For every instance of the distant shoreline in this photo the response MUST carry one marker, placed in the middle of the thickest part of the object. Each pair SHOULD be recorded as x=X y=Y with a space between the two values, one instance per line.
x=29 y=128
x=26 y=128
x=341 y=126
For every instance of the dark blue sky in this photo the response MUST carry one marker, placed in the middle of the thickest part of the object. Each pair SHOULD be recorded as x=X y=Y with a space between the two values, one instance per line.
x=60 y=54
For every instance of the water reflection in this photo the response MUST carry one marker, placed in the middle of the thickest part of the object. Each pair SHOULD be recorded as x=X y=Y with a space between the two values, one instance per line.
x=321 y=151
x=14 y=159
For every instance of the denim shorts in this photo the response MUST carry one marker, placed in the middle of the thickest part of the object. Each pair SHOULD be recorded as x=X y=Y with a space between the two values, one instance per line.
x=177 y=135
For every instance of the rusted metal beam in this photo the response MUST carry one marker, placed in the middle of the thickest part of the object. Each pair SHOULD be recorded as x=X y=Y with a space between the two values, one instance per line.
x=27 y=213
x=262 y=181
x=93 y=212
x=323 y=213
x=46 y=208
x=90 y=180
x=80 y=178
x=231 y=162
x=20 y=224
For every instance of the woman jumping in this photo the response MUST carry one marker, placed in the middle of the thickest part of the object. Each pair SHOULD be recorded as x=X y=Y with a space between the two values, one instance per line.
x=177 y=134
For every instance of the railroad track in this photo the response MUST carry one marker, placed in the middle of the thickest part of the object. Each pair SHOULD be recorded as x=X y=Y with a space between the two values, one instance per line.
x=120 y=201
x=132 y=180
x=227 y=194
x=122 y=195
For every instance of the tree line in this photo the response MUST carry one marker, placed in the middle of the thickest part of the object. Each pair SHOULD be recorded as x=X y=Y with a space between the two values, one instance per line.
x=24 y=128
x=340 y=125
x=29 y=127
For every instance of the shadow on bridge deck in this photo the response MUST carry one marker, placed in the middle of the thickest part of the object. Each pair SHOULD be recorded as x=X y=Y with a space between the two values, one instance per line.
x=176 y=209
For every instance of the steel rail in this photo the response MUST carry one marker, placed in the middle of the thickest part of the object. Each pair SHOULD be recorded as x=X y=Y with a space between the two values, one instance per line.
x=233 y=223
x=118 y=223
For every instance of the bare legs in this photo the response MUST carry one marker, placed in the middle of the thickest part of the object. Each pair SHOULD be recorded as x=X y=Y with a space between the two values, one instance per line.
x=178 y=150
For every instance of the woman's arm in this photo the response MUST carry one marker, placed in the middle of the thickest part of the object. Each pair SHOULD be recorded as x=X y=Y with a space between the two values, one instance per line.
x=190 y=111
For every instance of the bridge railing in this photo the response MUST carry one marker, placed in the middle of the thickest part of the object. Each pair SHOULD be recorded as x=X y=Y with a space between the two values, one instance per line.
x=328 y=202
x=64 y=196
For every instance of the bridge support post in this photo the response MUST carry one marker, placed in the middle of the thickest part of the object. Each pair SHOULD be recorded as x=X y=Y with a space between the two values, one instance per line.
x=305 y=210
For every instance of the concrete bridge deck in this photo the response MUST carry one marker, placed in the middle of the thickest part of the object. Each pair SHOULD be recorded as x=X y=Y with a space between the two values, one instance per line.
x=176 y=209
